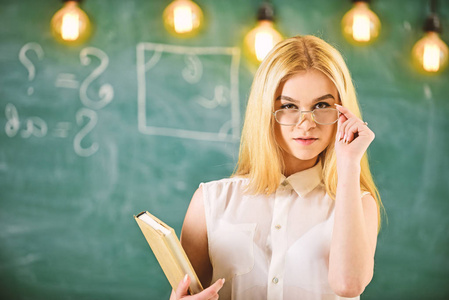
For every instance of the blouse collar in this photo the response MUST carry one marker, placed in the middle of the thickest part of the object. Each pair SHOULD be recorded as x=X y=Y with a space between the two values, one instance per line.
x=304 y=181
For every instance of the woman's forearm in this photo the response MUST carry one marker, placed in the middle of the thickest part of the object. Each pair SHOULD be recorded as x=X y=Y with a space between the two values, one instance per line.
x=351 y=258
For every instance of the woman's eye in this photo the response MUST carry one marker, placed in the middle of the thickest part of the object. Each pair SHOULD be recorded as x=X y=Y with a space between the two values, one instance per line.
x=288 y=106
x=322 y=105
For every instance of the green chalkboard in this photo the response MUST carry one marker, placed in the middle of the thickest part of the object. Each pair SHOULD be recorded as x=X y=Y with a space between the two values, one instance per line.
x=135 y=119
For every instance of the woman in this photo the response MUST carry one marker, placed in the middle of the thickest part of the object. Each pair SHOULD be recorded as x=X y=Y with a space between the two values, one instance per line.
x=284 y=227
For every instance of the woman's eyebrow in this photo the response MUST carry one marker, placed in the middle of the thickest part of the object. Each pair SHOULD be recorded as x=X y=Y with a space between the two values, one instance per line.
x=327 y=96
x=286 y=98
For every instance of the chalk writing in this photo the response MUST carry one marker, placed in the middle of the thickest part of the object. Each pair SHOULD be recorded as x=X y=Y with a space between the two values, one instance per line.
x=12 y=120
x=193 y=70
x=62 y=129
x=92 y=121
x=27 y=63
x=35 y=126
x=210 y=109
x=219 y=98
x=217 y=106
x=106 y=92
x=66 y=80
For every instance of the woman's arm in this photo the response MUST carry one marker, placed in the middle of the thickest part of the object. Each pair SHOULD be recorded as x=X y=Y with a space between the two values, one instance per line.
x=194 y=242
x=194 y=238
x=354 y=239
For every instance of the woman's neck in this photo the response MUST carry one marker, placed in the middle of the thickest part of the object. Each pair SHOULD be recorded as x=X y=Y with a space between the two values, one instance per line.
x=294 y=165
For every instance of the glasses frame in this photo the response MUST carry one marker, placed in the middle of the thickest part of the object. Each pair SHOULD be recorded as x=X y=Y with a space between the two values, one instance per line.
x=302 y=112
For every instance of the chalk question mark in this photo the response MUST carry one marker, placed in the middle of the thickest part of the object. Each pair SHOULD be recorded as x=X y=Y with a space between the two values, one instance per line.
x=28 y=64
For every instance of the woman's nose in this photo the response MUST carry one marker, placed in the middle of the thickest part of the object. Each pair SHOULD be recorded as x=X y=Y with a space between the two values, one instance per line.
x=306 y=118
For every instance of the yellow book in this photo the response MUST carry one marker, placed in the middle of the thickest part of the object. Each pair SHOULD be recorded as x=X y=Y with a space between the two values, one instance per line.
x=168 y=251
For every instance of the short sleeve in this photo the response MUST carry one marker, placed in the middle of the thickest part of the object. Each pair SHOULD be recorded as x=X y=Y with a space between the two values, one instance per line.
x=364 y=193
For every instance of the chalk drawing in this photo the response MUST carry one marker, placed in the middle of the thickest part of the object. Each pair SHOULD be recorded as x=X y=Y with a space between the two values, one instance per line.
x=12 y=116
x=193 y=70
x=92 y=121
x=219 y=99
x=27 y=62
x=35 y=126
x=62 y=129
x=106 y=92
x=151 y=54
x=67 y=80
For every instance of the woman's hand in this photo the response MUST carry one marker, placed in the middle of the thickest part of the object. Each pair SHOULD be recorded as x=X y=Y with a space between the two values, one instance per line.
x=353 y=137
x=211 y=293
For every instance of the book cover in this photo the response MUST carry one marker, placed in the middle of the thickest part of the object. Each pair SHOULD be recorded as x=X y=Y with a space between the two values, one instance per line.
x=168 y=251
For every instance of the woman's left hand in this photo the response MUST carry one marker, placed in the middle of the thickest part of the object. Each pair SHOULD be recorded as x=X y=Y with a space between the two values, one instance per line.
x=353 y=137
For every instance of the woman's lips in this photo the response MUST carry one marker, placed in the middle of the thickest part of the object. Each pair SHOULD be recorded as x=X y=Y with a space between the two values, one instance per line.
x=305 y=141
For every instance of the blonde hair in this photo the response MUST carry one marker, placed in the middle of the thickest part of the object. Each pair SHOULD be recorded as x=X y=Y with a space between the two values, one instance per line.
x=260 y=157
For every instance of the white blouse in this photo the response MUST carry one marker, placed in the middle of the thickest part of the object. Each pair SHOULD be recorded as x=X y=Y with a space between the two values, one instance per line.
x=271 y=247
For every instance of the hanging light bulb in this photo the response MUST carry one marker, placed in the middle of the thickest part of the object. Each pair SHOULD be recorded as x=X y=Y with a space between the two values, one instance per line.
x=430 y=54
x=70 y=24
x=360 y=25
x=260 y=40
x=183 y=18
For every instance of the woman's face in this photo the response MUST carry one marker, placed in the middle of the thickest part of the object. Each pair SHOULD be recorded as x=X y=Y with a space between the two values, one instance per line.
x=302 y=143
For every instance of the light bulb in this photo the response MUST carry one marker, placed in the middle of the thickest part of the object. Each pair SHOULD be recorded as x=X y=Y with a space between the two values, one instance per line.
x=360 y=25
x=260 y=40
x=183 y=18
x=70 y=24
x=430 y=54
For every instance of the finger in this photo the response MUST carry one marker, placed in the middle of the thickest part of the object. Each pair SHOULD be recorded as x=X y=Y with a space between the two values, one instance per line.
x=344 y=128
x=358 y=128
x=341 y=120
x=173 y=295
x=350 y=133
x=350 y=130
x=183 y=287
x=212 y=291
x=348 y=114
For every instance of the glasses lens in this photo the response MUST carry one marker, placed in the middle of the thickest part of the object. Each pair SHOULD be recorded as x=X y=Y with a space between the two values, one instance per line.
x=325 y=115
x=287 y=116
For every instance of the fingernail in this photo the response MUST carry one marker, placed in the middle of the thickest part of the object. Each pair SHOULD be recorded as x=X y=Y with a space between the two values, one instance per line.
x=344 y=139
x=223 y=280
x=185 y=278
x=341 y=135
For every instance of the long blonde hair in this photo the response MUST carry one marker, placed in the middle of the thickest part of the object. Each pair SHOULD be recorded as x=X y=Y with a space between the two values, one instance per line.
x=260 y=157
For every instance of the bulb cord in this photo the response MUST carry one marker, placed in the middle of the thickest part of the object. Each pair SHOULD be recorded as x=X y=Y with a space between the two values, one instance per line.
x=433 y=23
x=265 y=12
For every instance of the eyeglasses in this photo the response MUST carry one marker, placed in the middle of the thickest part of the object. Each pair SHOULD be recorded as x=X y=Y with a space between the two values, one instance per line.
x=322 y=116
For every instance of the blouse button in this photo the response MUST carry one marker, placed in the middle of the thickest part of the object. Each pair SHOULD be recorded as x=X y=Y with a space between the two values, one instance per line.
x=278 y=226
x=275 y=280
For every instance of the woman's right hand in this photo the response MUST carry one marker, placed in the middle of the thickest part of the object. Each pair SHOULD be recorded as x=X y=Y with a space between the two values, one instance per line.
x=211 y=293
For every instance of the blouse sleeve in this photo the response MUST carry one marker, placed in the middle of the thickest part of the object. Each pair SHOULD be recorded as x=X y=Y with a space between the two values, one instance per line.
x=364 y=193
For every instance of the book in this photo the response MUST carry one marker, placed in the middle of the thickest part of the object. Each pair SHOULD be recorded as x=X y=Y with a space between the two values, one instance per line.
x=168 y=251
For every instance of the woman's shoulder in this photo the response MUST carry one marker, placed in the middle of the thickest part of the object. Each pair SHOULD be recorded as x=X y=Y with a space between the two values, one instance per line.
x=229 y=184
x=226 y=181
